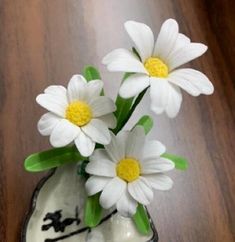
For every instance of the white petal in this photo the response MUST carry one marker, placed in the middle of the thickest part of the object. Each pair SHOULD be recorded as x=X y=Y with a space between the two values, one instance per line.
x=57 y=90
x=94 y=89
x=96 y=184
x=141 y=191
x=97 y=131
x=150 y=166
x=77 y=88
x=166 y=39
x=112 y=192
x=174 y=101
x=101 y=168
x=99 y=154
x=84 y=144
x=142 y=36
x=110 y=120
x=185 y=54
x=192 y=81
x=52 y=103
x=134 y=143
x=159 y=181
x=164 y=97
x=116 y=54
x=64 y=133
x=153 y=149
x=116 y=148
x=134 y=85
x=181 y=41
x=47 y=123
x=123 y=60
x=102 y=106
x=159 y=93
x=126 y=205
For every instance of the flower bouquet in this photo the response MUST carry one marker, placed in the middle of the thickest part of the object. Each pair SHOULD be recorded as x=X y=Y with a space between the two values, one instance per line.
x=102 y=175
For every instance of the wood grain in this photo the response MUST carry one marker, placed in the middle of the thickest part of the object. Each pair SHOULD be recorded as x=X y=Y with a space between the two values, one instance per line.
x=45 y=42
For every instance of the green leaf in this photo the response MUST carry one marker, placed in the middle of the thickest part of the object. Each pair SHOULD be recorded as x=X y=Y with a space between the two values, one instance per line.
x=93 y=211
x=91 y=73
x=141 y=220
x=82 y=169
x=147 y=123
x=130 y=112
x=52 y=158
x=180 y=162
x=123 y=107
x=126 y=107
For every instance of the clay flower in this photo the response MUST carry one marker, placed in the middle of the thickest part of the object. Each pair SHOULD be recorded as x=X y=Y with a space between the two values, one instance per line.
x=77 y=114
x=127 y=170
x=157 y=65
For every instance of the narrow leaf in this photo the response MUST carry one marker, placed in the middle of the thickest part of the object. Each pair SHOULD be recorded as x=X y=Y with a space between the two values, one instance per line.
x=131 y=111
x=91 y=73
x=180 y=162
x=52 y=158
x=123 y=107
x=141 y=220
x=146 y=122
x=93 y=211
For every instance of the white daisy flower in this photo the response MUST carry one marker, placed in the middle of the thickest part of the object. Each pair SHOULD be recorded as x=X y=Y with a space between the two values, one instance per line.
x=127 y=170
x=77 y=114
x=158 y=64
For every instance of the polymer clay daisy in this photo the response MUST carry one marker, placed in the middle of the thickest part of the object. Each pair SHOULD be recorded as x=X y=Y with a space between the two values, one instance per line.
x=127 y=171
x=77 y=114
x=157 y=66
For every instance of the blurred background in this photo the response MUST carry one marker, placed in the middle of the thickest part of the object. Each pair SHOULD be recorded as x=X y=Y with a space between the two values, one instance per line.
x=44 y=42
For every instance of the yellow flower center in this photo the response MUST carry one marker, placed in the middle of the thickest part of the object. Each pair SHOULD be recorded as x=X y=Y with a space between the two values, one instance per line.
x=156 y=67
x=128 y=169
x=79 y=113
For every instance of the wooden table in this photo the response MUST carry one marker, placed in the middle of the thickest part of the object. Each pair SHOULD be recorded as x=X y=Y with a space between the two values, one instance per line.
x=44 y=42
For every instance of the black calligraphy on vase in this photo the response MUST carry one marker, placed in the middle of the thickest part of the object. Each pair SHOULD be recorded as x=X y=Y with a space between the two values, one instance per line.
x=57 y=223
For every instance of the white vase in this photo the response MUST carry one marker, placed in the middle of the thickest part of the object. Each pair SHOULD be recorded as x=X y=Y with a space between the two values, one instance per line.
x=57 y=214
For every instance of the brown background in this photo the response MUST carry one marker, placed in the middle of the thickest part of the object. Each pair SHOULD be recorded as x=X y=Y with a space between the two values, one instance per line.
x=45 y=42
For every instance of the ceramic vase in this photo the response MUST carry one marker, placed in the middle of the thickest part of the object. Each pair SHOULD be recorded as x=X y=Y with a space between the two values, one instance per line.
x=56 y=214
